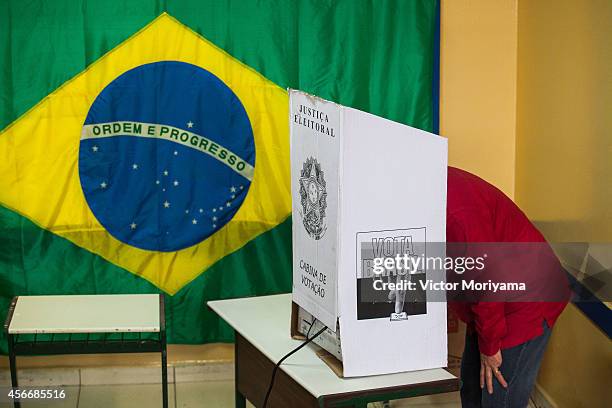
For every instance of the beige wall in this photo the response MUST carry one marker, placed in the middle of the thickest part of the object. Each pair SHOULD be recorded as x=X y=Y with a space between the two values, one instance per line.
x=577 y=367
x=478 y=87
x=564 y=167
x=526 y=102
x=564 y=141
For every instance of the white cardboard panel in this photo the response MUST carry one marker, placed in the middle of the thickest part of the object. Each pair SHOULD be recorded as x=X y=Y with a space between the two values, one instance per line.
x=397 y=174
x=390 y=181
x=315 y=151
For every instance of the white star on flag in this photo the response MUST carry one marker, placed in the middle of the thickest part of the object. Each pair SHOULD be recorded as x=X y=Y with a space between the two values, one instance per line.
x=194 y=221
x=175 y=153
x=165 y=172
x=214 y=218
x=201 y=210
x=233 y=189
x=227 y=204
x=134 y=166
x=103 y=184
x=190 y=124
x=176 y=183
x=166 y=204
x=94 y=148
x=133 y=225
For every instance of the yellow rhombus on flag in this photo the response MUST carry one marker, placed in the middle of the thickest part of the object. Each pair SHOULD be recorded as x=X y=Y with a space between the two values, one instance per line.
x=76 y=175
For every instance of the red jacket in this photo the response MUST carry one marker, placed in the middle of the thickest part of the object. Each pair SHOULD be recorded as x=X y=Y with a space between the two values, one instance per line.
x=479 y=212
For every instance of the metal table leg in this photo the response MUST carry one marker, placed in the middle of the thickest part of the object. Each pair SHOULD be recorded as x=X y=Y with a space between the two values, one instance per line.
x=13 y=366
x=164 y=362
x=164 y=357
x=11 y=348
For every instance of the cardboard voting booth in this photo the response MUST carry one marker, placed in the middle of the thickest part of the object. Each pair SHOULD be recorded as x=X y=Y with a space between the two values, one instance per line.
x=365 y=188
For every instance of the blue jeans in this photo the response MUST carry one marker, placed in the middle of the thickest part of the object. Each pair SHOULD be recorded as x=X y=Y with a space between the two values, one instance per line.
x=520 y=365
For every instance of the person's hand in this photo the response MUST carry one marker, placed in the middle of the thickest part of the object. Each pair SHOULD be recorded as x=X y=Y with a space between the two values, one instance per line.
x=489 y=367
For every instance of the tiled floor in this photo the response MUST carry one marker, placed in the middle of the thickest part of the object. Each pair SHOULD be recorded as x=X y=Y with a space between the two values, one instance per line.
x=210 y=394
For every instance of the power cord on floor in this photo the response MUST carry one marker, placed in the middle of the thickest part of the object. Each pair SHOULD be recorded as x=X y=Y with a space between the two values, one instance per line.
x=295 y=350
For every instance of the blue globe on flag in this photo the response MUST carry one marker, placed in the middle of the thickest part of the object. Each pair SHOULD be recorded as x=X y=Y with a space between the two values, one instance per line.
x=166 y=157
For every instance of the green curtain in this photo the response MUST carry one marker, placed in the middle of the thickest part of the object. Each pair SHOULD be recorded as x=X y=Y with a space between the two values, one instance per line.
x=377 y=56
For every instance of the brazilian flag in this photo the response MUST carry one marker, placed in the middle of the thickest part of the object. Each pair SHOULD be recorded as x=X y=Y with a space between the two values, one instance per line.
x=144 y=144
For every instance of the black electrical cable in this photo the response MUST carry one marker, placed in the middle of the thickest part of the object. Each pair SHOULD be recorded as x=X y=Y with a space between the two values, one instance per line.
x=311 y=326
x=308 y=340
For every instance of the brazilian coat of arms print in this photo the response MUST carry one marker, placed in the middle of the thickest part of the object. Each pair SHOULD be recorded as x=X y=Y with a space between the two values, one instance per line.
x=313 y=198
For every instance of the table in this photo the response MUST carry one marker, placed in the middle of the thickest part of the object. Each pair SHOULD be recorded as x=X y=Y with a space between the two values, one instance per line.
x=304 y=380
x=86 y=324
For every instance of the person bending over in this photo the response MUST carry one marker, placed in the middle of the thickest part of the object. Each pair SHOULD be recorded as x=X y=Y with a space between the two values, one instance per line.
x=505 y=341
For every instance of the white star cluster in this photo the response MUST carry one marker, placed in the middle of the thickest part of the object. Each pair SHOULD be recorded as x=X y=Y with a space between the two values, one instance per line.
x=197 y=215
